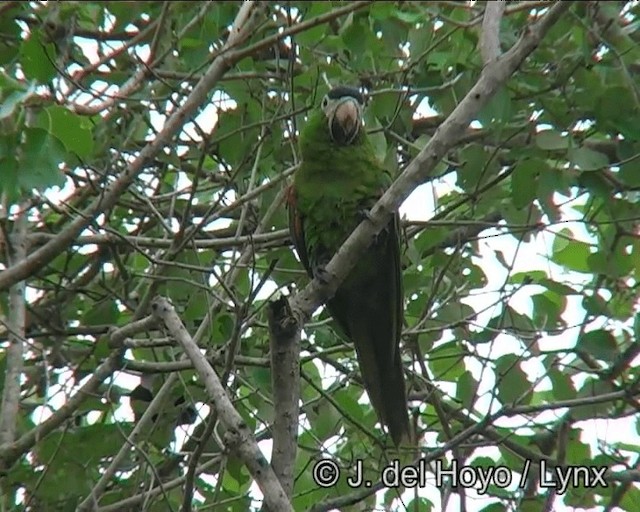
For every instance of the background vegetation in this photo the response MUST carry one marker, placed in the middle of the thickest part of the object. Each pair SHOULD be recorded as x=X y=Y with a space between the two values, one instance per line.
x=145 y=148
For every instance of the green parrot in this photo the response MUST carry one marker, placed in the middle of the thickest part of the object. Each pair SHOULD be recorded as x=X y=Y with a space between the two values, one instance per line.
x=338 y=181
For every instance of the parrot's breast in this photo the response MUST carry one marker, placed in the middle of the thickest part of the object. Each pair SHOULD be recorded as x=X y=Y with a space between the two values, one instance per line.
x=335 y=186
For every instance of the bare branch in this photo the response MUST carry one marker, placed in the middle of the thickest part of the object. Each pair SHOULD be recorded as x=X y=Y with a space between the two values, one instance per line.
x=285 y=381
x=117 y=336
x=274 y=237
x=238 y=435
x=17 y=249
x=301 y=27
x=490 y=36
x=137 y=499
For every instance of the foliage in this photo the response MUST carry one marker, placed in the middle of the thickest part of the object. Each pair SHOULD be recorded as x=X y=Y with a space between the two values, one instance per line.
x=521 y=318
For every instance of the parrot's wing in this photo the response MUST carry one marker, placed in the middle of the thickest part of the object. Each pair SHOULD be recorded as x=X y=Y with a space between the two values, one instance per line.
x=368 y=308
x=296 y=229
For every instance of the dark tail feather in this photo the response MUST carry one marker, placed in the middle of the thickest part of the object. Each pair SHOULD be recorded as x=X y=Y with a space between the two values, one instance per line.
x=384 y=381
x=394 y=403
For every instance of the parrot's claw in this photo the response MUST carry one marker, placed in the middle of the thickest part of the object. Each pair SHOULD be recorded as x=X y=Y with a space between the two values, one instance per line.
x=321 y=274
x=364 y=214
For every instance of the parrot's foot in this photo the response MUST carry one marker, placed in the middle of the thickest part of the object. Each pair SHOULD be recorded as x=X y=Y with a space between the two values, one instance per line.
x=364 y=214
x=321 y=274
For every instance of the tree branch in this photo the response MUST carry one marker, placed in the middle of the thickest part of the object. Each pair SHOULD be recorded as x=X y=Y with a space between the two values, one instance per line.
x=285 y=382
x=238 y=436
x=228 y=56
x=490 y=35
x=17 y=250
x=154 y=408
x=9 y=453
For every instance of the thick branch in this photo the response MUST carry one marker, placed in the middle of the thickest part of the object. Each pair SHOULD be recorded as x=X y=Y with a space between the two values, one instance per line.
x=285 y=381
x=10 y=406
x=490 y=37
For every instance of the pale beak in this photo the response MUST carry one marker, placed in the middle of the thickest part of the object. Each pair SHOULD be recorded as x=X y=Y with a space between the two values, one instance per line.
x=346 y=121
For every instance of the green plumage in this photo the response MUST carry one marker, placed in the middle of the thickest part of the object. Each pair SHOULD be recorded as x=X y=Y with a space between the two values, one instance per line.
x=335 y=184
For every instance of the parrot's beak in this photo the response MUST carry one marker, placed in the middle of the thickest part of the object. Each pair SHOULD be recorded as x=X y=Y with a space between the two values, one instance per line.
x=346 y=121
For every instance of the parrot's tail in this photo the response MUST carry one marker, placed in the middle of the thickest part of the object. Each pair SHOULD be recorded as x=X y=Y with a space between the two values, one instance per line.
x=393 y=410
x=384 y=381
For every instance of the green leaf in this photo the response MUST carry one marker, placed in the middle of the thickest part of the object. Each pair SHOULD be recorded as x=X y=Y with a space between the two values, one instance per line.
x=74 y=131
x=419 y=503
x=524 y=182
x=11 y=33
x=409 y=17
x=315 y=34
x=324 y=419
x=478 y=167
x=613 y=265
x=239 y=474
x=599 y=344
x=40 y=156
x=577 y=452
x=587 y=159
x=563 y=388
x=9 y=183
x=497 y=110
x=547 y=308
x=558 y=288
x=446 y=362
x=13 y=100
x=349 y=403
x=37 y=59
x=595 y=305
x=357 y=37
x=103 y=313
x=552 y=140
x=511 y=381
x=378 y=140
x=467 y=389
x=515 y=322
x=630 y=498
x=222 y=328
x=572 y=254
x=598 y=409
x=629 y=174
x=455 y=312
x=529 y=277
x=616 y=109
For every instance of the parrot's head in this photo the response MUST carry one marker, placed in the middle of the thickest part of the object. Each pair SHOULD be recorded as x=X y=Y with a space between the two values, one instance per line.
x=342 y=107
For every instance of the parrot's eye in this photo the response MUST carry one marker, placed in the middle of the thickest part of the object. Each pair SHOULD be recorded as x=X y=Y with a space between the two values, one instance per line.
x=325 y=102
